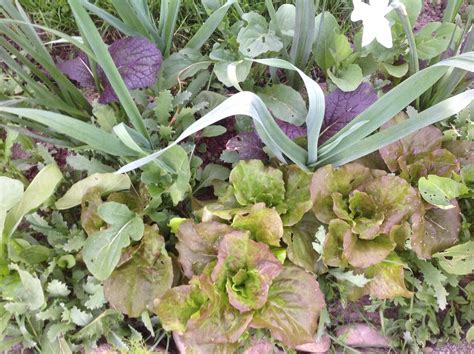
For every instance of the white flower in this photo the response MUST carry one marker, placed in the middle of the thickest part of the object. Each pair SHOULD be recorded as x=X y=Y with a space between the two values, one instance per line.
x=376 y=26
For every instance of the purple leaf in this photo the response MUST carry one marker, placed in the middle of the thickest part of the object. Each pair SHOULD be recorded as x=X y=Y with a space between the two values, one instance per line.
x=292 y=131
x=248 y=145
x=343 y=107
x=77 y=69
x=138 y=61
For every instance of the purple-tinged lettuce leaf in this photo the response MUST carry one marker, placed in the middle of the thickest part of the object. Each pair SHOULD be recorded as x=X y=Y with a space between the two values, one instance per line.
x=138 y=61
x=218 y=322
x=136 y=284
x=197 y=244
x=246 y=269
x=254 y=183
x=264 y=224
x=419 y=154
x=462 y=149
x=395 y=198
x=364 y=253
x=333 y=254
x=178 y=305
x=90 y=219
x=440 y=162
x=387 y=279
x=78 y=69
x=442 y=228
x=248 y=145
x=185 y=347
x=293 y=307
x=343 y=107
x=299 y=244
x=328 y=180
x=297 y=195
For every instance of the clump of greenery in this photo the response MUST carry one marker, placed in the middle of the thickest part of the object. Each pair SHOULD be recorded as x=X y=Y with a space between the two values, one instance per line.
x=133 y=214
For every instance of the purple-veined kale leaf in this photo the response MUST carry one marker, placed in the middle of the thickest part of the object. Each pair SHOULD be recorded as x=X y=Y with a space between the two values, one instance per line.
x=343 y=107
x=137 y=59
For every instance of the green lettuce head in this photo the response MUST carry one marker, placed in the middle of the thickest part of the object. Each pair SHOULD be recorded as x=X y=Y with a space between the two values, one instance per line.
x=369 y=214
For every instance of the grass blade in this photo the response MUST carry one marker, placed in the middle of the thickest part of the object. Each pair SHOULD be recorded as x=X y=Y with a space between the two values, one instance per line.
x=95 y=137
x=208 y=27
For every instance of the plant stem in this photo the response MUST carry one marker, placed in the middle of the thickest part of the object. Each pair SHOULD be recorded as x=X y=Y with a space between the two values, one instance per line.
x=407 y=27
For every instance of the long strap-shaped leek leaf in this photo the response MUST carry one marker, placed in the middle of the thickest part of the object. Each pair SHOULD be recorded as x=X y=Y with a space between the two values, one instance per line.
x=347 y=144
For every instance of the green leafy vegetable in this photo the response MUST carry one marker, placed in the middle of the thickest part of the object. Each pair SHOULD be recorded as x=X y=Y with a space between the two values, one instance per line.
x=102 y=249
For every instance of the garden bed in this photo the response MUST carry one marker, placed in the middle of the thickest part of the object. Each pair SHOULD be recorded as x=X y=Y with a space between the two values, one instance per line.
x=237 y=176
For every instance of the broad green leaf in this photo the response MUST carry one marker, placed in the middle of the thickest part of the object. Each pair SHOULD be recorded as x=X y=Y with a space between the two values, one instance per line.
x=348 y=79
x=144 y=278
x=31 y=291
x=440 y=191
x=293 y=307
x=397 y=71
x=434 y=38
x=458 y=260
x=284 y=21
x=264 y=224
x=104 y=183
x=231 y=73
x=12 y=191
x=212 y=172
x=285 y=103
x=255 y=38
x=470 y=334
x=38 y=192
x=102 y=250
x=326 y=28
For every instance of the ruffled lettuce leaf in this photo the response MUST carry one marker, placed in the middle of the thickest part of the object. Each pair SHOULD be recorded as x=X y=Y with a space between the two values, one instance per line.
x=245 y=269
x=197 y=244
x=145 y=276
x=254 y=183
x=365 y=224
x=387 y=279
x=418 y=154
x=264 y=224
x=343 y=180
x=297 y=194
x=299 y=244
x=293 y=307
